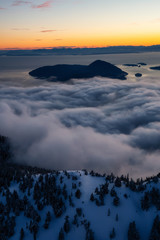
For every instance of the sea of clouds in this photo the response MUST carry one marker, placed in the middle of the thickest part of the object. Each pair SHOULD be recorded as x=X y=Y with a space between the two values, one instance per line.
x=101 y=124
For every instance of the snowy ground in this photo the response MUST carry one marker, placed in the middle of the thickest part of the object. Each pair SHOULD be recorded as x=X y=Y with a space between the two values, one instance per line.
x=128 y=210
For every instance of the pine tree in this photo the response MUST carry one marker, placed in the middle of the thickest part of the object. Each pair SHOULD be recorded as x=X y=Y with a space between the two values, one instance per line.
x=112 y=234
x=61 y=235
x=78 y=194
x=109 y=212
x=155 y=232
x=92 y=197
x=89 y=235
x=116 y=201
x=75 y=220
x=133 y=234
x=118 y=182
x=145 y=201
x=79 y=211
x=21 y=234
x=66 y=225
x=113 y=192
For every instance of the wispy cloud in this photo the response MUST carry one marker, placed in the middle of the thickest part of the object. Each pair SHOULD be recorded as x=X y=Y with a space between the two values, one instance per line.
x=46 y=4
x=134 y=23
x=20 y=29
x=48 y=30
x=18 y=3
x=1 y=8
x=156 y=20
x=141 y=23
x=38 y=40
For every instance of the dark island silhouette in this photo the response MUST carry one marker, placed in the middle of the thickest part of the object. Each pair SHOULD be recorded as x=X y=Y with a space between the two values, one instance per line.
x=135 y=64
x=130 y=65
x=155 y=68
x=138 y=75
x=142 y=64
x=64 y=72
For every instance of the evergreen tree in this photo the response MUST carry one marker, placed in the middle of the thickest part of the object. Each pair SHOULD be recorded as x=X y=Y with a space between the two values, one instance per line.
x=75 y=220
x=92 y=197
x=79 y=211
x=133 y=234
x=61 y=235
x=21 y=234
x=116 y=201
x=109 y=212
x=112 y=234
x=78 y=194
x=113 y=192
x=155 y=232
x=145 y=201
x=66 y=225
x=89 y=234
x=118 y=182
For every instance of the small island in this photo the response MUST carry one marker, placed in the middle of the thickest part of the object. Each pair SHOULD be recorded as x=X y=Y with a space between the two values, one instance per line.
x=155 y=68
x=130 y=65
x=138 y=75
x=142 y=64
x=135 y=64
x=65 y=72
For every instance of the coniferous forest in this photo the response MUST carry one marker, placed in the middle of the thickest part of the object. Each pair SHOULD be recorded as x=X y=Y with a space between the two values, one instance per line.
x=35 y=203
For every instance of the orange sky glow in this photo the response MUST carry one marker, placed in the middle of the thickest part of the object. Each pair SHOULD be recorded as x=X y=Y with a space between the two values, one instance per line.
x=47 y=24
x=50 y=42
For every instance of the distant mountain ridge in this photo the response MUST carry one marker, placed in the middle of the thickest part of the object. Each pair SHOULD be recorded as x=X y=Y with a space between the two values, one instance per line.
x=64 y=72
x=80 y=51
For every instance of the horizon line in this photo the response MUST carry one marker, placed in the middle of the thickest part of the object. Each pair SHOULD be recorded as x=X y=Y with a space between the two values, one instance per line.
x=74 y=47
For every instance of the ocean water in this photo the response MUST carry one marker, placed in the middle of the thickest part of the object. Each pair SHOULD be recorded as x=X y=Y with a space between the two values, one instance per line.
x=14 y=70
x=107 y=125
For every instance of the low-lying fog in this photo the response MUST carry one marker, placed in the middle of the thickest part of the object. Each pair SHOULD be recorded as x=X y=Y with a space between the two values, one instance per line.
x=101 y=124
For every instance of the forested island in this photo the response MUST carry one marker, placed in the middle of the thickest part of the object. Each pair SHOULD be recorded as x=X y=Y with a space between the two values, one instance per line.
x=64 y=72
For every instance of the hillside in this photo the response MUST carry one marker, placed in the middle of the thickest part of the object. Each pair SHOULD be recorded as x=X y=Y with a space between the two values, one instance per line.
x=40 y=204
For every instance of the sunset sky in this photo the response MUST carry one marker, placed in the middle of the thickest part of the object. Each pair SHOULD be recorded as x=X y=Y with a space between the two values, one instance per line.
x=78 y=23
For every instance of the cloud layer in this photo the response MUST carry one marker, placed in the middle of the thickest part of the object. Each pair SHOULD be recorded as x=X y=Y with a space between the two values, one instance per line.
x=105 y=125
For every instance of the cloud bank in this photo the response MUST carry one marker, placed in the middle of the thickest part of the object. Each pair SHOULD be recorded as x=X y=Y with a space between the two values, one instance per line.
x=104 y=125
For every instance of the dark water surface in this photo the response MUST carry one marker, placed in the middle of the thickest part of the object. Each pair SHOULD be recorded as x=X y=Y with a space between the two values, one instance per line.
x=14 y=70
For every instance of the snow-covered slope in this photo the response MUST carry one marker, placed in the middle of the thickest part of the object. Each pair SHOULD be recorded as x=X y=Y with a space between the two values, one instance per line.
x=81 y=205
